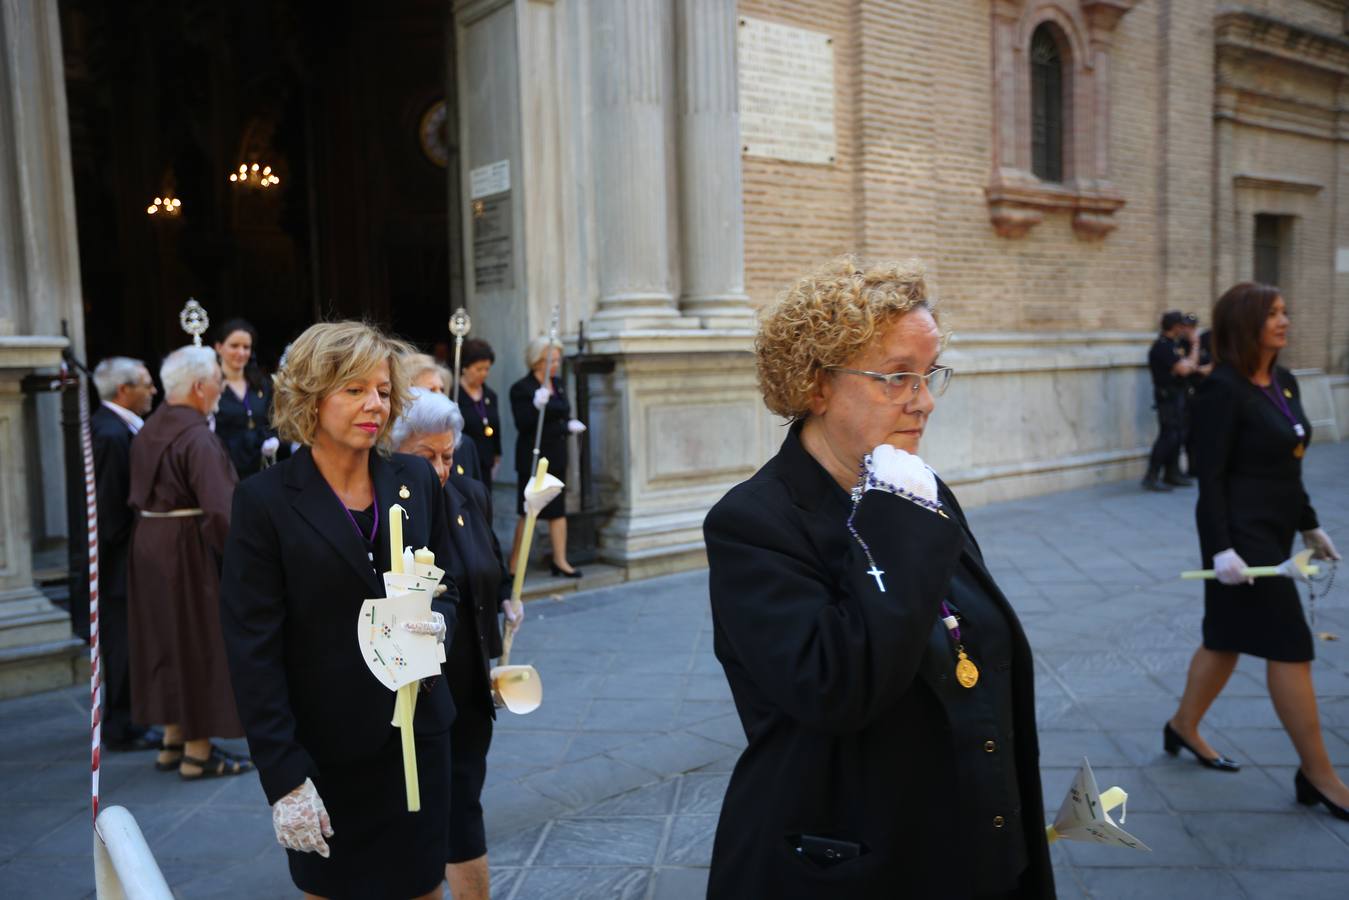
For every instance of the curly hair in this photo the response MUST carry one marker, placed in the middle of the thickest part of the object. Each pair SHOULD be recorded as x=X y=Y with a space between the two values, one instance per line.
x=321 y=361
x=826 y=318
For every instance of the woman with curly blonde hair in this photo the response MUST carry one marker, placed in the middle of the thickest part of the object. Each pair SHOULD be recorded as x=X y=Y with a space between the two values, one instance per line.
x=881 y=677
x=308 y=540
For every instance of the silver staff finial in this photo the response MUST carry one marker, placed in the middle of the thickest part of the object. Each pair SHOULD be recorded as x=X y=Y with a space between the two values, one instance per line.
x=194 y=320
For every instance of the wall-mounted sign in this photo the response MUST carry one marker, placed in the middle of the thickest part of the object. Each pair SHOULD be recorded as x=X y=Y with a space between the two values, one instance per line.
x=786 y=92
x=493 y=178
x=493 y=249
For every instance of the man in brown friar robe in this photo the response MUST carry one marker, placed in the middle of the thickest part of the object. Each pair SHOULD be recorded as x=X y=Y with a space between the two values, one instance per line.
x=182 y=485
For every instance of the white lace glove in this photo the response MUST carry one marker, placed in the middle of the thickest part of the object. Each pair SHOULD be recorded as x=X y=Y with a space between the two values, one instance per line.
x=536 y=498
x=301 y=821
x=270 y=446
x=516 y=618
x=1228 y=566
x=899 y=472
x=575 y=426
x=1320 y=544
x=541 y=398
x=435 y=626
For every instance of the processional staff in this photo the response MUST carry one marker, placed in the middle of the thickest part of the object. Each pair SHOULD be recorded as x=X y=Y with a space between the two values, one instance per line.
x=460 y=324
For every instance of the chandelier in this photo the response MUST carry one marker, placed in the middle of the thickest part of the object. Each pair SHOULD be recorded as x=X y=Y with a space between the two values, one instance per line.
x=254 y=176
x=165 y=206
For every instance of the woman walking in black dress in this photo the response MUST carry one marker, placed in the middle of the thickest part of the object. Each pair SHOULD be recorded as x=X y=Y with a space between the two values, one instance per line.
x=1251 y=434
x=243 y=418
x=534 y=395
x=308 y=540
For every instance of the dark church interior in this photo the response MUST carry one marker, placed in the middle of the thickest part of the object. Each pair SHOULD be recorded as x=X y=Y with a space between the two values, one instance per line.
x=299 y=158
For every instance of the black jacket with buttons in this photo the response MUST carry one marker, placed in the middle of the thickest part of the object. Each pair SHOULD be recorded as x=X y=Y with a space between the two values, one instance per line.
x=838 y=687
x=295 y=576
x=477 y=567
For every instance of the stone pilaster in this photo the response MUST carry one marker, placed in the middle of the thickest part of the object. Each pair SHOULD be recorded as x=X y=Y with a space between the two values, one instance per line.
x=712 y=231
x=631 y=137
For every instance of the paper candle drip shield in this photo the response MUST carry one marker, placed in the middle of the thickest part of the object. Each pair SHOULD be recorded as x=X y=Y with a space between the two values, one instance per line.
x=1085 y=816
x=398 y=658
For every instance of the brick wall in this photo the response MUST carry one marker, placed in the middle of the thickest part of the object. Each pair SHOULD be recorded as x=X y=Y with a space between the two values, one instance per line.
x=914 y=122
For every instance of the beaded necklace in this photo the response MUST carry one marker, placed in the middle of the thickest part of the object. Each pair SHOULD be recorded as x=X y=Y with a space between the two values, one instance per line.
x=967 y=674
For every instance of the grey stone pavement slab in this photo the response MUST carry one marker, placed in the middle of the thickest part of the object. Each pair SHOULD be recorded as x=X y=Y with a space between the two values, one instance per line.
x=612 y=789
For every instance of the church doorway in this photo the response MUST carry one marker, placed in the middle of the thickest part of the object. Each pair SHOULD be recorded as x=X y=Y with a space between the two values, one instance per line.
x=280 y=161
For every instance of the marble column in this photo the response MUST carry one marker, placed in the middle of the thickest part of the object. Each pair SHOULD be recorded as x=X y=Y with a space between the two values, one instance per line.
x=630 y=134
x=711 y=212
x=39 y=252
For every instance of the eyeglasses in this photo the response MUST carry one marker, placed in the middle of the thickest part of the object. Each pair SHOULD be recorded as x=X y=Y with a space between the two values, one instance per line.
x=900 y=386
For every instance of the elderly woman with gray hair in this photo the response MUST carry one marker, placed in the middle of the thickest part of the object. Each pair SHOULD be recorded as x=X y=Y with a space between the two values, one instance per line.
x=540 y=393
x=432 y=427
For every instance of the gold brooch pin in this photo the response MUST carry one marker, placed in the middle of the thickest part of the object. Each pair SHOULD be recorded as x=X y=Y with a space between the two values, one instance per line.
x=460 y=520
x=403 y=492
x=459 y=469
x=1287 y=393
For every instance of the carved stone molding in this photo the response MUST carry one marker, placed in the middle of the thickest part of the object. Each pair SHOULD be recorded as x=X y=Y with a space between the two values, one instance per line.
x=1017 y=199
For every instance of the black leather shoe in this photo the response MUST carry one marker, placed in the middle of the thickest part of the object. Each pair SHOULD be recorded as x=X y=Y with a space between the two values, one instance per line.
x=560 y=573
x=1172 y=742
x=149 y=739
x=1178 y=481
x=1152 y=484
x=1307 y=795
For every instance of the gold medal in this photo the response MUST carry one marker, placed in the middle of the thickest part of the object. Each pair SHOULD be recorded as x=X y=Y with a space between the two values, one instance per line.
x=489 y=431
x=403 y=491
x=1298 y=451
x=966 y=672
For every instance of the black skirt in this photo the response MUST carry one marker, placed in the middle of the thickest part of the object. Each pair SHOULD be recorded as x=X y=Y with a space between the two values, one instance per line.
x=470 y=738
x=379 y=850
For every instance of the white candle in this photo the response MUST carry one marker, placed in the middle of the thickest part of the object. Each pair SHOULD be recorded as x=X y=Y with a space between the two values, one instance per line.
x=396 y=514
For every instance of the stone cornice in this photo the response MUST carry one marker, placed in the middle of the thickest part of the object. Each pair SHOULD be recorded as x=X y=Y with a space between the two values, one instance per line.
x=1250 y=32
x=1275 y=183
x=31 y=351
x=1015 y=207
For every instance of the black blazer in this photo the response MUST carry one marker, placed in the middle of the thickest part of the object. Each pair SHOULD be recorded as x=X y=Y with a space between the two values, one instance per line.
x=112 y=476
x=835 y=685
x=479 y=571
x=556 y=414
x=466 y=461
x=294 y=578
x=244 y=444
x=1251 y=496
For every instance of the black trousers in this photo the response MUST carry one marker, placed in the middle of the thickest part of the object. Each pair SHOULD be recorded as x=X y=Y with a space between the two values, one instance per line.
x=114 y=642
x=1165 y=456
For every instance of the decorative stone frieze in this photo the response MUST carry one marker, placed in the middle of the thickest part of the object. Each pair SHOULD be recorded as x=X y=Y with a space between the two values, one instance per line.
x=1017 y=199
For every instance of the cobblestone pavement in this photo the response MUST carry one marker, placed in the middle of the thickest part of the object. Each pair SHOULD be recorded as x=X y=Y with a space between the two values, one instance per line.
x=612 y=788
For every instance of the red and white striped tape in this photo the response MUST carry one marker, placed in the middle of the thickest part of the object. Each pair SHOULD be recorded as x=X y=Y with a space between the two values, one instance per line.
x=95 y=669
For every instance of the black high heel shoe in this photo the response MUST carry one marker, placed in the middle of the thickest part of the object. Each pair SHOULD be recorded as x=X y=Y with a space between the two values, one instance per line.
x=1307 y=795
x=1172 y=742
x=562 y=573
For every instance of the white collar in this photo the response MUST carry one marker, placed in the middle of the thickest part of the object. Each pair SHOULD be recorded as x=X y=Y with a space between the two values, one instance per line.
x=133 y=421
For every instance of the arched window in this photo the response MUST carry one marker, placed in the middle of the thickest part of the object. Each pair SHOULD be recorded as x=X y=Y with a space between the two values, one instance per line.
x=1046 y=104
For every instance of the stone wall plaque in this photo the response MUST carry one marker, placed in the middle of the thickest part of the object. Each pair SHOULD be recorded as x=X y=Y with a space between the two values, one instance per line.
x=493 y=178
x=493 y=247
x=786 y=92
